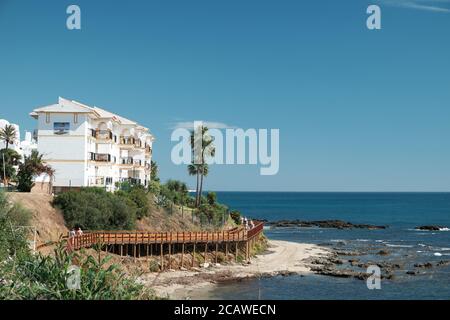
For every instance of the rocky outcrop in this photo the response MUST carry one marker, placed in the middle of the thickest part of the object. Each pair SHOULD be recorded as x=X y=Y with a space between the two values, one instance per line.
x=336 y=224
x=423 y=265
x=431 y=228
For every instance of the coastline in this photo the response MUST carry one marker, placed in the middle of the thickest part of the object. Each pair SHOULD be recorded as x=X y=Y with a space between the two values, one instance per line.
x=281 y=258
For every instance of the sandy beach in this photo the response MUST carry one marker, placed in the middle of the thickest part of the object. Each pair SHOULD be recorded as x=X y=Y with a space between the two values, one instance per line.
x=282 y=257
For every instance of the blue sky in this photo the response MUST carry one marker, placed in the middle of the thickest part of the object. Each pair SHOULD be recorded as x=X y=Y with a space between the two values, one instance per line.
x=357 y=110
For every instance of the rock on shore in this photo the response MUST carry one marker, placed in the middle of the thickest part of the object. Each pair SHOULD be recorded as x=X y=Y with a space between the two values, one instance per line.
x=336 y=224
x=431 y=228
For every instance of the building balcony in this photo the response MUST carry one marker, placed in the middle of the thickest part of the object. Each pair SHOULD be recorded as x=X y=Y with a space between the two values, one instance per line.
x=127 y=141
x=148 y=150
x=132 y=181
x=99 y=157
x=138 y=163
x=127 y=161
x=102 y=134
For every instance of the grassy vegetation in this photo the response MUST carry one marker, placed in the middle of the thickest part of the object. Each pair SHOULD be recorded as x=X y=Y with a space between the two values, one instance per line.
x=97 y=209
x=27 y=276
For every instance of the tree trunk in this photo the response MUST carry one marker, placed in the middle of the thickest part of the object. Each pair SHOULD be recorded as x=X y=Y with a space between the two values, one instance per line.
x=201 y=187
x=197 y=191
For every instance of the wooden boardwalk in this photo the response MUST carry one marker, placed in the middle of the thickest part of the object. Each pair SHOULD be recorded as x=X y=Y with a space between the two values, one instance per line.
x=138 y=243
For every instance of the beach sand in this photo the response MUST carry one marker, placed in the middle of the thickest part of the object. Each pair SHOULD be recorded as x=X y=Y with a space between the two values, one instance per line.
x=282 y=257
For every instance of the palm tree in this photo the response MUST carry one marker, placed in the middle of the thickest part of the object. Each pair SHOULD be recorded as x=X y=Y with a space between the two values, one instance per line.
x=8 y=135
x=193 y=171
x=204 y=170
x=199 y=167
x=32 y=167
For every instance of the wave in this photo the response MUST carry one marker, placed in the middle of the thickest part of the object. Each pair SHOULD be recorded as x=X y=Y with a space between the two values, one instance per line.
x=399 y=245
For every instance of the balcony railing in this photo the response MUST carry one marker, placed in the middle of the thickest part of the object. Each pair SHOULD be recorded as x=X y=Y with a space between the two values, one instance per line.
x=102 y=134
x=100 y=157
x=148 y=150
x=127 y=140
x=128 y=160
x=100 y=181
x=133 y=181
x=138 y=162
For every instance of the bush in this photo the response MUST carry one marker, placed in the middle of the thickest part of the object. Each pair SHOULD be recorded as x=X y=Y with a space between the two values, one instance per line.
x=13 y=239
x=45 y=277
x=154 y=187
x=96 y=209
x=19 y=215
x=138 y=196
x=236 y=216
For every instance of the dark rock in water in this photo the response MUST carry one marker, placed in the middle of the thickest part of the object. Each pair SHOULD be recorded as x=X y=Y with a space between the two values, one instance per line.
x=443 y=263
x=389 y=276
x=412 y=272
x=353 y=262
x=430 y=228
x=424 y=265
x=383 y=252
x=350 y=253
x=336 y=224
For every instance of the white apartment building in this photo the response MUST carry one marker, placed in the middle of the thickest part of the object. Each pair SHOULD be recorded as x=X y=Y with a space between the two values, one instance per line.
x=24 y=147
x=89 y=146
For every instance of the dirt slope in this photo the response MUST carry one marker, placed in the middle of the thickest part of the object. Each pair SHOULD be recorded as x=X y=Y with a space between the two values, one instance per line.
x=48 y=221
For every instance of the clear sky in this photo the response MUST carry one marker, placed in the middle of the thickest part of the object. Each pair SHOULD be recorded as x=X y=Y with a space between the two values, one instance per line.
x=357 y=110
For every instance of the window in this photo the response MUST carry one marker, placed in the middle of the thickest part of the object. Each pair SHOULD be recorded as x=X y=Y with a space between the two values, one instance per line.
x=47 y=117
x=75 y=118
x=61 y=128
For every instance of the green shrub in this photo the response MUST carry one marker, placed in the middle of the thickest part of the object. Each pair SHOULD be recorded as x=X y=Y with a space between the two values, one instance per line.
x=45 y=278
x=96 y=209
x=13 y=238
x=139 y=197
x=236 y=216
x=19 y=215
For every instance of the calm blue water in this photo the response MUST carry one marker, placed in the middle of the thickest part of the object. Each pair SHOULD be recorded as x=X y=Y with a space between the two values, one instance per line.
x=401 y=212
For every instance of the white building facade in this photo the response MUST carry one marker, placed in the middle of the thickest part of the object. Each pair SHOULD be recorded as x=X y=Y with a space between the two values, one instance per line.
x=23 y=147
x=89 y=146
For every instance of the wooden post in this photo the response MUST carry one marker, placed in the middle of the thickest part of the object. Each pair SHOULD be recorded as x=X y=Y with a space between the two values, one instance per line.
x=170 y=259
x=151 y=250
x=226 y=249
x=162 y=259
x=139 y=250
x=182 y=254
x=217 y=247
x=193 y=256
x=236 y=252
x=206 y=251
x=134 y=251
x=121 y=250
x=247 y=250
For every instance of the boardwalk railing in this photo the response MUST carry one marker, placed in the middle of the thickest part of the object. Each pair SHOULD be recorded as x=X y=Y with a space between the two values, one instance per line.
x=88 y=239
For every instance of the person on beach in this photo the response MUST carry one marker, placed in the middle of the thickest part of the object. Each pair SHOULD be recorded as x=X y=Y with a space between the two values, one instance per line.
x=79 y=231
x=252 y=224
x=72 y=234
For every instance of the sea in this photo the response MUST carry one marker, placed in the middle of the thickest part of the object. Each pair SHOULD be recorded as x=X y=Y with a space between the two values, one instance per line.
x=400 y=212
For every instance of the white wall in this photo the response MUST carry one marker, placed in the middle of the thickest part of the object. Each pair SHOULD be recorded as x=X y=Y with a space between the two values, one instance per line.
x=67 y=153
